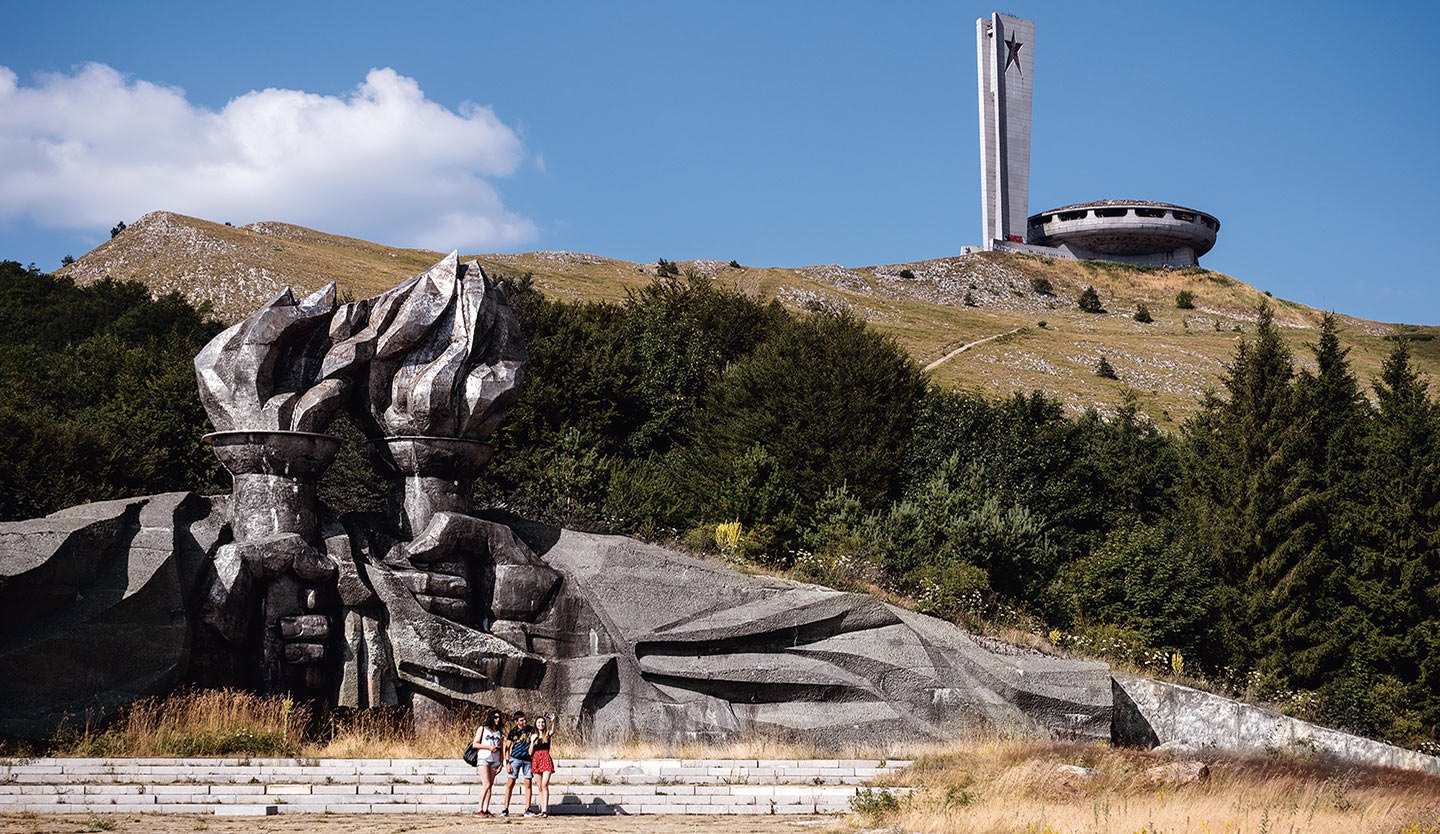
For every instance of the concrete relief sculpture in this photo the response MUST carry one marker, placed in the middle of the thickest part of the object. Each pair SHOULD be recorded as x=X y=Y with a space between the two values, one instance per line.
x=359 y=606
x=260 y=384
x=431 y=605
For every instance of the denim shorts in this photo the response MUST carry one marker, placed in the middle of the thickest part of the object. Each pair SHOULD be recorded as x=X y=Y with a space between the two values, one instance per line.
x=518 y=769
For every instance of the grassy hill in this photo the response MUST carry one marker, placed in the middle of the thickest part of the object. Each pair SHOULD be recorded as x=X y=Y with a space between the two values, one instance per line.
x=1047 y=343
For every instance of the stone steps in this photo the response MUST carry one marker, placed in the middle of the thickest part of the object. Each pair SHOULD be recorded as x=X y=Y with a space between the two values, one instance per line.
x=428 y=786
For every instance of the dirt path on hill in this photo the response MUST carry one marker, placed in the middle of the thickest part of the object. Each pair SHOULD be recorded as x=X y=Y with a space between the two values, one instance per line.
x=411 y=823
x=957 y=351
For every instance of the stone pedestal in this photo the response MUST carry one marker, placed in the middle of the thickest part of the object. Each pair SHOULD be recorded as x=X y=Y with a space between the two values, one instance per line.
x=427 y=475
x=276 y=528
x=275 y=475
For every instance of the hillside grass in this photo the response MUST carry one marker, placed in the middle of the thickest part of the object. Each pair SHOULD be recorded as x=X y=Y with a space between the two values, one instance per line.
x=226 y=722
x=1167 y=364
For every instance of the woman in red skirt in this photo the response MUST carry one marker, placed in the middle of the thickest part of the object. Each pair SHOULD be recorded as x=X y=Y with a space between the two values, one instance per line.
x=541 y=764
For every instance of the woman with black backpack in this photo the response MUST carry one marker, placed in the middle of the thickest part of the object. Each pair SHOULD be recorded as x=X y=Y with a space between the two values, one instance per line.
x=488 y=745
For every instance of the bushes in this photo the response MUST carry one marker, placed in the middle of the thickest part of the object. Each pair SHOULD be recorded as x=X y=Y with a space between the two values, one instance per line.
x=1185 y=300
x=1089 y=301
x=97 y=393
x=1041 y=286
x=826 y=400
x=691 y=404
x=1152 y=581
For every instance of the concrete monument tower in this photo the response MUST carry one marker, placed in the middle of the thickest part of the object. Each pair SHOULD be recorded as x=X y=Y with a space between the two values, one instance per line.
x=1005 y=49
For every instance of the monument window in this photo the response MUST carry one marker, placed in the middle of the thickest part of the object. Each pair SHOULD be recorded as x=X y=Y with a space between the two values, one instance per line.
x=1073 y=215
x=1111 y=212
x=1141 y=212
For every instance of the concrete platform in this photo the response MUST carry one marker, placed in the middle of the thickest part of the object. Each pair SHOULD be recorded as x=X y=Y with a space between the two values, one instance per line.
x=261 y=787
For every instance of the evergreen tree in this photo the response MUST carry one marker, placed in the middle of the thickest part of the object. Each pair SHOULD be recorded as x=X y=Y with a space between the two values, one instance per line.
x=1306 y=631
x=1397 y=578
x=1247 y=501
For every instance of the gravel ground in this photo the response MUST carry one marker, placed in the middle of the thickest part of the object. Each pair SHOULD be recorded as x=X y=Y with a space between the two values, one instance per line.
x=417 y=824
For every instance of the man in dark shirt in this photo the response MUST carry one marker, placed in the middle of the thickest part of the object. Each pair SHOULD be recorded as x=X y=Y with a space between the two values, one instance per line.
x=518 y=761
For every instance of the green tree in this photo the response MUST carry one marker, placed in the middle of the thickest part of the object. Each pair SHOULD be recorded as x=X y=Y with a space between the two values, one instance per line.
x=1245 y=495
x=1306 y=632
x=97 y=393
x=830 y=400
x=1397 y=576
x=1089 y=301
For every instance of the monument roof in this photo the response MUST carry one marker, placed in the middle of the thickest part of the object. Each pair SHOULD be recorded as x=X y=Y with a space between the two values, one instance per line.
x=1117 y=203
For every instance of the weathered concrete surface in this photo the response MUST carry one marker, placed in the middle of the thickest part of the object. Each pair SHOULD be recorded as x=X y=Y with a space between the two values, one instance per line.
x=102 y=604
x=264 y=372
x=260 y=787
x=1167 y=713
x=654 y=642
x=92 y=603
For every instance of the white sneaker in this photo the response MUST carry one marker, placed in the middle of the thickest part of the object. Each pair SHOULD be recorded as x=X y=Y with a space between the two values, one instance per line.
x=530 y=813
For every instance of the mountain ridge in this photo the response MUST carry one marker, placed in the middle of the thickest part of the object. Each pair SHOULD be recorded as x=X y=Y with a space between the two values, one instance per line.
x=931 y=307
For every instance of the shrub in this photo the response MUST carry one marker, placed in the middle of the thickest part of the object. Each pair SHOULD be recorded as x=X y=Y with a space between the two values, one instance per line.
x=1185 y=300
x=667 y=269
x=970 y=300
x=1142 y=314
x=1090 y=301
x=1042 y=324
x=735 y=265
x=825 y=401
x=874 y=803
x=1105 y=370
x=907 y=275
x=1042 y=286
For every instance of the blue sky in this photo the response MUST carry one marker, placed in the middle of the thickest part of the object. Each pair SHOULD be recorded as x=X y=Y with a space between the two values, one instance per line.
x=774 y=133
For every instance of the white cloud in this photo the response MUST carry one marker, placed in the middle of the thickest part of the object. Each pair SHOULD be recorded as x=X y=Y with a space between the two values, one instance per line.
x=86 y=149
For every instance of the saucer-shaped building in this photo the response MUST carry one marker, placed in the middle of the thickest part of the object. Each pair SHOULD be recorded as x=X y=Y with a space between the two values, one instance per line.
x=1129 y=231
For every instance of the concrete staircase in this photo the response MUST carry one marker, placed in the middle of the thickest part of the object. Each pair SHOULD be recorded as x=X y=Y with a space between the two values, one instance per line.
x=429 y=786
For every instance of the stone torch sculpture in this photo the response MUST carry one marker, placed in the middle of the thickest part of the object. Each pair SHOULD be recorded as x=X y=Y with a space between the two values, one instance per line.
x=260 y=382
x=440 y=361
x=436 y=365
x=369 y=610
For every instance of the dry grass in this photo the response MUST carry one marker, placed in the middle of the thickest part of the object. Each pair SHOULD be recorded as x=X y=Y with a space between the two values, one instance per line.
x=204 y=723
x=233 y=723
x=1166 y=364
x=1026 y=786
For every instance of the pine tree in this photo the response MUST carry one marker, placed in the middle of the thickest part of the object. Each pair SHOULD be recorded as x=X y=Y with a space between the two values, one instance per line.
x=1305 y=630
x=1090 y=301
x=1397 y=581
x=1245 y=495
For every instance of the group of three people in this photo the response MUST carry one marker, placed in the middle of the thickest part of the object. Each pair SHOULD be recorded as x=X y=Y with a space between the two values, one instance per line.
x=523 y=751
